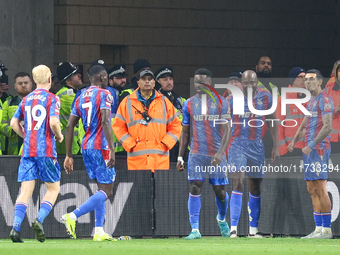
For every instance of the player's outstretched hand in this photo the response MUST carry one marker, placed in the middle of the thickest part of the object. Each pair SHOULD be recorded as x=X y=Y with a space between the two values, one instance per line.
x=180 y=164
x=306 y=150
x=291 y=147
x=60 y=139
x=112 y=160
x=275 y=154
x=68 y=164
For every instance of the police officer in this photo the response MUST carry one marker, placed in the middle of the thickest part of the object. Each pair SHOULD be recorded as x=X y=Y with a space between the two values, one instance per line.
x=164 y=76
x=117 y=77
x=70 y=79
x=117 y=81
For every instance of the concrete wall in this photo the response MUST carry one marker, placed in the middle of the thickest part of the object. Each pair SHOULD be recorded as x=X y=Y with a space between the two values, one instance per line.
x=220 y=35
x=26 y=35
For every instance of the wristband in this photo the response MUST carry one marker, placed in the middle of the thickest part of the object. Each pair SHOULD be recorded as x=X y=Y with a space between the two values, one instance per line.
x=311 y=144
x=180 y=159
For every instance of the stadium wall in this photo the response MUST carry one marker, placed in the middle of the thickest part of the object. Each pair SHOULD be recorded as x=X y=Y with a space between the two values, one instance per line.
x=222 y=36
x=26 y=40
x=286 y=204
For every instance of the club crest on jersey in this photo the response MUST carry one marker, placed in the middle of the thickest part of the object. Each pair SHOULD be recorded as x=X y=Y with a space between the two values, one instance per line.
x=213 y=106
x=328 y=106
x=259 y=101
x=109 y=98
x=196 y=105
x=57 y=105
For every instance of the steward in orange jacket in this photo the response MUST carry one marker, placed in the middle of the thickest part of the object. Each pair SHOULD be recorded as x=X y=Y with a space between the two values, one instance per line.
x=147 y=125
x=333 y=89
x=286 y=134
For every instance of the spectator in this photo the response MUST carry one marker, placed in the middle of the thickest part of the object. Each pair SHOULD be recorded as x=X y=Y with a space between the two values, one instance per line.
x=23 y=85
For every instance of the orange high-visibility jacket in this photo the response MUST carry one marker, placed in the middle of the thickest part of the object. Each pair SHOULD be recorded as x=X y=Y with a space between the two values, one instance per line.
x=335 y=94
x=147 y=146
x=286 y=134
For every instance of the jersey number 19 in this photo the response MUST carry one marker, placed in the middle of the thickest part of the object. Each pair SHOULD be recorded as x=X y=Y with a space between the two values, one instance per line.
x=33 y=113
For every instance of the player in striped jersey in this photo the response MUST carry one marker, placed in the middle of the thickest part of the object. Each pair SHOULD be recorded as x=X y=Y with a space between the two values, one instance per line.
x=316 y=129
x=93 y=106
x=207 y=149
x=37 y=121
x=247 y=150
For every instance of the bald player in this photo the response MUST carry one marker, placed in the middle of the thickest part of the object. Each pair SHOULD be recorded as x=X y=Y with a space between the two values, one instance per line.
x=247 y=152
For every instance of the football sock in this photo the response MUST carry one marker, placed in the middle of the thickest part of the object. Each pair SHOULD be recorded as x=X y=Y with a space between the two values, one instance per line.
x=19 y=215
x=99 y=215
x=235 y=207
x=91 y=203
x=326 y=219
x=254 y=208
x=45 y=209
x=194 y=207
x=222 y=207
x=317 y=220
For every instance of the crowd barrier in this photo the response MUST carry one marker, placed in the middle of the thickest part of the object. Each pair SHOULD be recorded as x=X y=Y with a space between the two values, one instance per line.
x=156 y=205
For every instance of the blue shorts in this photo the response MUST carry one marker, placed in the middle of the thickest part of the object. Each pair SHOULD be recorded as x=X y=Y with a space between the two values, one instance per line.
x=44 y=168
x=200 y=165
x=247 y=156
x=95 y=164
x=316 y=164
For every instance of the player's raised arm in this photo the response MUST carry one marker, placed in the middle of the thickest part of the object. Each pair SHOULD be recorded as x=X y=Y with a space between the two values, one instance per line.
x=106 y=124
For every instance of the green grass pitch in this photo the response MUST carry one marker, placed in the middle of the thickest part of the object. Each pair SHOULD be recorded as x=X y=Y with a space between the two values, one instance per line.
x=206 y=245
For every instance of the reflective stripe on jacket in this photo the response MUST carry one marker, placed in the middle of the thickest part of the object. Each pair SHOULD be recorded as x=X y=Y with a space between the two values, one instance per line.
x=67 y=96
x=286 y=132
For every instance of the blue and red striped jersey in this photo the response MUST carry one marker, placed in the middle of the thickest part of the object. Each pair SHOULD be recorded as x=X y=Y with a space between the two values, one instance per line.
x=35 y=110
x=87 y=107
x=318 y=107
x=114 y=93
x=249 y=125
x=206 y=134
